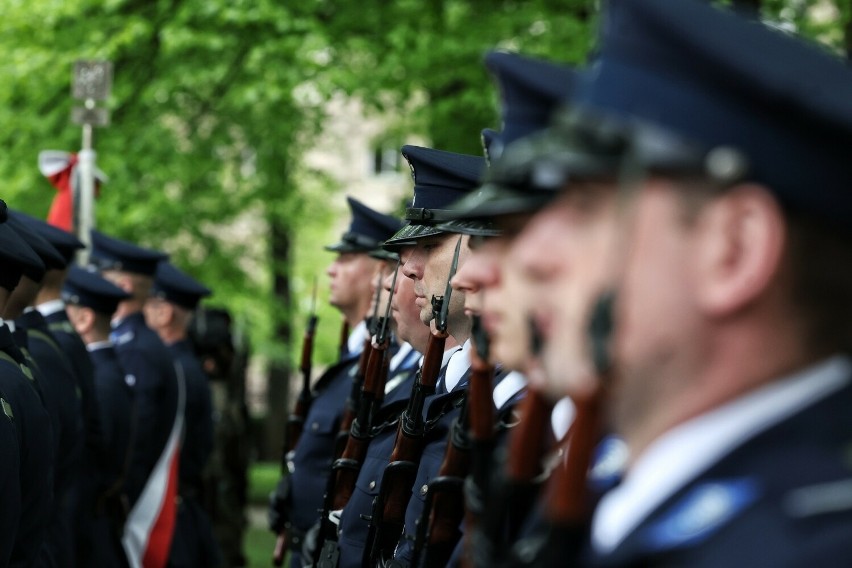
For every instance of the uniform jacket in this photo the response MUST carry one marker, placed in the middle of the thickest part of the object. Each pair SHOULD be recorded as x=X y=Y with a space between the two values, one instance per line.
x=151 y=374
x=60 y=391
x=35 y=444
x=10 y=480
x=353 y=526
x=782 y=498
x=98 y=541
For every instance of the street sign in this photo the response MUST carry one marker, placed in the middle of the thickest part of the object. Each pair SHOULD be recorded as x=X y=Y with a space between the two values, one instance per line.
x=95 y=116
x=92 y=80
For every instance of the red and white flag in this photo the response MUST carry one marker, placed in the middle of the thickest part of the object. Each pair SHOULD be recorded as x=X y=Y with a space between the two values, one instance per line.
x=150 y=525
x=60 y=169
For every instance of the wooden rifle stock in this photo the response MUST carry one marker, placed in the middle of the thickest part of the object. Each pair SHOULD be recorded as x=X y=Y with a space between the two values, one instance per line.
x=527 y=442
x=296 y=420
x=344 y=337
x=350 y=410
x=481 y=415
x=513 y=496
x=408 y=448
x=568 y=501
x=372 y=395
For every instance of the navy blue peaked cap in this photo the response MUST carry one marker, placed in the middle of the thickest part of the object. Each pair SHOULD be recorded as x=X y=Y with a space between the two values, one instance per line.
x=63 y=241
x=48 y=254
x=109 y=253
x=530 y=91
x=440 y=178
x=721 y=81
x=16 y=256
x=86 y=288
x=367 y=230
x=175 y=286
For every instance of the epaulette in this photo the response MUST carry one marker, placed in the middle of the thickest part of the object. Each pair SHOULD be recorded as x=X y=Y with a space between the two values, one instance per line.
x=700 y=513
x=122 y=338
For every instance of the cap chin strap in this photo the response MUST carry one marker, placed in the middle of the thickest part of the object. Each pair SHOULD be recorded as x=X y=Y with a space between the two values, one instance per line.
x=423 y=215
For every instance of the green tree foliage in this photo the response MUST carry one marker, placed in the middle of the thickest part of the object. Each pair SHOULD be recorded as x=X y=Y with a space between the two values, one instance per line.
x=205 y=137
x=214 y=103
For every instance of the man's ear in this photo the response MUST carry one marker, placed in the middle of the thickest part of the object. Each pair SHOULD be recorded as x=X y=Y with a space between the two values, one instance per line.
x=124 y=282
x=740 y=240
x=169 y=313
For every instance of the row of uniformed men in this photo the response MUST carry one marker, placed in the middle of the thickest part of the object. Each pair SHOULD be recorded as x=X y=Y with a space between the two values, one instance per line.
x=98 y=404
x=663 y=236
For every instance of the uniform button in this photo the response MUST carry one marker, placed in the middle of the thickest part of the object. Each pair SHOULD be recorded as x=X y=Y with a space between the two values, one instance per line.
x=315 y=426
x=372 y=485
x=424 y=490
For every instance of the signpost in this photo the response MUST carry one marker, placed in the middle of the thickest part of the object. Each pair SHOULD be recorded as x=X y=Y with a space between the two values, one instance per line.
x=92 y=83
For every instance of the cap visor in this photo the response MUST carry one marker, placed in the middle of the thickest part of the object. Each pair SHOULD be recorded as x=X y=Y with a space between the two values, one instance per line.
x=410 y=233
x=472 y=227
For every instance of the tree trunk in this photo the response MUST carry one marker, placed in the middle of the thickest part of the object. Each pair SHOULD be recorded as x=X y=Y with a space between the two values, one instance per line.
x=278 y=385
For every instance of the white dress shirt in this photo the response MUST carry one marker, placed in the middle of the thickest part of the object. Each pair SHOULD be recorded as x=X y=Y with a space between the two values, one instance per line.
x=50 y=307
x=508 y=387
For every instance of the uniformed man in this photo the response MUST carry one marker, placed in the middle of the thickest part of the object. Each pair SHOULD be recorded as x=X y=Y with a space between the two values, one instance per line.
x=50 y=305
x=530 y=91
x=156 y=388
x=90 y=301
x=59 y=389
x=427 y=254
x=10 y=480
x=298 y=497
x=32 y=422
x=408 y=329
x=168 y=311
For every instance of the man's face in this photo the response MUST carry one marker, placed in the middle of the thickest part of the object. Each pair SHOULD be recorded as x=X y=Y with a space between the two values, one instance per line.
x=489 y=293
x=351 y=277
x=154 y=311
x=406 y=313
x=658 y=318
x=428 y=265
x=563 y=258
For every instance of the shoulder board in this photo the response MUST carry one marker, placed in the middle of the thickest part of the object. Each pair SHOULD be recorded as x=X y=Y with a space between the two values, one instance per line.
x=700 y=513
x=122 y=338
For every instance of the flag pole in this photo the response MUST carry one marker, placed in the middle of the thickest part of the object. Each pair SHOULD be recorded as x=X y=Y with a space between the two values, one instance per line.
x=92 y=82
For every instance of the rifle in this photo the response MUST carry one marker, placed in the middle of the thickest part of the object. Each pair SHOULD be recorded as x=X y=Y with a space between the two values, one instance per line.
x=569 y=504
x=351 y=408
x=515 y=493
x=438 y=529
x=296 y=420
x=481 y=415
x=344 y=336
x=341 y=483
x=390 y=505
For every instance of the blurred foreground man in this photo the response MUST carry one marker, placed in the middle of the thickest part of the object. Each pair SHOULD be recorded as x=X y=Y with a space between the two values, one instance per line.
x=731 y=381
